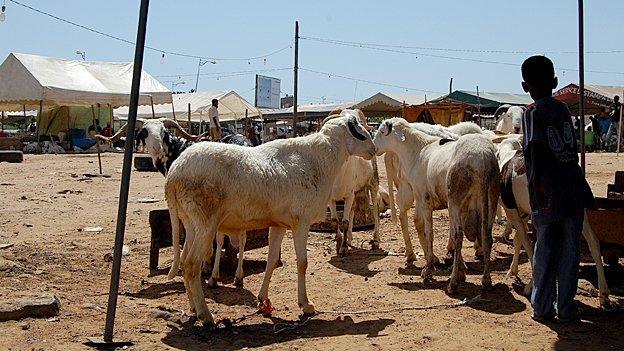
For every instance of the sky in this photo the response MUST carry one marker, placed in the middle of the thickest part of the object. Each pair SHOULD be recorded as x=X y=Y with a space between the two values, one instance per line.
x=429 y=42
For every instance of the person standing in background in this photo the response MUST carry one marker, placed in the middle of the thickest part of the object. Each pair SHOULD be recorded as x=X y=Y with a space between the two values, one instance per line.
x=213 y=119
x=615 y=118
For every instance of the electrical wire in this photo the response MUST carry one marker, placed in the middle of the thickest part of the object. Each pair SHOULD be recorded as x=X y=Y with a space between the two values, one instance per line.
x=365 y=46
x=330 y=75
x=172 y=53
x=225 y=74
x=482 y=51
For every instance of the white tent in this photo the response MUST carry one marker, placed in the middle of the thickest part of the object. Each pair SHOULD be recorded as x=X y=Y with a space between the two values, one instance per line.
x=31 y=79
x=231 y=107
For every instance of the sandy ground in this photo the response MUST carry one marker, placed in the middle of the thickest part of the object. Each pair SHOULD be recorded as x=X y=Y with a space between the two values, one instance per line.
x=46 y=201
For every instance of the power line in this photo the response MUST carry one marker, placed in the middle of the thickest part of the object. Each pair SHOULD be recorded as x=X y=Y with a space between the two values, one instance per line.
x=482 y=51
x=365 y=46
x=330 y=75
x=172 y=53
x=223 y=73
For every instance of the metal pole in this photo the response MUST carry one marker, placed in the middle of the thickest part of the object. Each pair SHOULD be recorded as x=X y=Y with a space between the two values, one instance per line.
x=3 y=121
x=97 y=142
x=125 y=173
x=172 y=109
x=197 y=79
x=479 y=105
x=451 y=86
x=256 y=92
x=581 y=82
x=296 y=78
x=39 y=116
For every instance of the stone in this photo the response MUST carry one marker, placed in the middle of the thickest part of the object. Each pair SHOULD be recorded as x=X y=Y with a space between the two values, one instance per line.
x=40 y=306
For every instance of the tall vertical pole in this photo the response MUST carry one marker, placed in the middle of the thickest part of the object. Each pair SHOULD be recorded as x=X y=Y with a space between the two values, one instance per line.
x=619 y=131
x=296 y=78
x=97 y=142
x=479 y=105
x=581 y=82
x=125 y=173
x=451 y=86
x=189 y=119
x=197 y=79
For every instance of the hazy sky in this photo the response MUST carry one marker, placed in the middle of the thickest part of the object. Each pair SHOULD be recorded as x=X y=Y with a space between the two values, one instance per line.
x=240 y=29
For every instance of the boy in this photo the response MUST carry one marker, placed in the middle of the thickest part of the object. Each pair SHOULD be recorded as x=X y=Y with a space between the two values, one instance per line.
x=558 y=194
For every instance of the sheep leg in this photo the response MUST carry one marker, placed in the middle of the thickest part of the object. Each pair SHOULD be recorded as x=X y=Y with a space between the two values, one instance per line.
x=214 y=277
x=191 y=267
x=594 y=249
x=300 y=237
x=240 y=274
x=276 y=235
x=374 y=191
x=346 y=213
x=458 y=238
x=427 y=272
x=350 y=228
x=390 y=173
x=410 y=256
x=334 y=221
x=514 y=219
x=488 y=213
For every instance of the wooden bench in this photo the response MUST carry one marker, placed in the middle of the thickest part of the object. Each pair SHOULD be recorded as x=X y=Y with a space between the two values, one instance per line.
x=160 y=226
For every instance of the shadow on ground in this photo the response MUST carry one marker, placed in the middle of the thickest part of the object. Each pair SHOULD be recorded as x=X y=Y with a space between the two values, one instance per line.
x=193 y=337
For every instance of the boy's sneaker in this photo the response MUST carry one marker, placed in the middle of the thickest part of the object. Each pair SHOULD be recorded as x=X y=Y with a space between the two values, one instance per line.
x=574 y=317
x=543 y=319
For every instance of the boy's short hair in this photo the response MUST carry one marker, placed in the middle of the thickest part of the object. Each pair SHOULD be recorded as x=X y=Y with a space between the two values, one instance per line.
x=538 y=71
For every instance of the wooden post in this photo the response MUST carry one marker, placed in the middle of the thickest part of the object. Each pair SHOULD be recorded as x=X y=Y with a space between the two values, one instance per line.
x=3 y=120
x=619 y=131
x=451 y=86
x=39 y=119
x=97 y=142
x=152 y=104
x=189 y=119
x=479 y=105
x=110 y=117
x=581 y=82
x=296 y=78
x=172 y=109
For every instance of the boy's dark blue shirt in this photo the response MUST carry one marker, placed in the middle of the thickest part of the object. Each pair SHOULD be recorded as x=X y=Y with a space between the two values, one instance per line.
x=557 y=187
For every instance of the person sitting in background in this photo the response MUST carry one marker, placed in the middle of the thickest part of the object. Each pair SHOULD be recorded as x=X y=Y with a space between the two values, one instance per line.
x=107 y=131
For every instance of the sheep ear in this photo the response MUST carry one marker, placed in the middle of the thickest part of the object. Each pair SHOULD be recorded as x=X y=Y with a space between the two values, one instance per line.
x=351 y=123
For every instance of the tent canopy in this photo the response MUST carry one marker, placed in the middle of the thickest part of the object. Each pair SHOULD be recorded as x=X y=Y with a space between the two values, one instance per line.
x=311 y=111
x=28 y=79
x=390 y=104
x=596 y=96
x=231 y=107
x=486 y=100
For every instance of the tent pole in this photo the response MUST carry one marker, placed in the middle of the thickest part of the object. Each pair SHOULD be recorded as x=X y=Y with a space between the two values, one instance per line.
x=619 y=131
x=152 y=105
x=189 y=119
x=581 y=82
x=110 y=116
x=97 y=142
x=172 y=109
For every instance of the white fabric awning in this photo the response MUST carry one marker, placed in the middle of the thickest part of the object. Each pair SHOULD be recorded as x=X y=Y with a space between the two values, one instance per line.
x=28 y=79
x=231 y=107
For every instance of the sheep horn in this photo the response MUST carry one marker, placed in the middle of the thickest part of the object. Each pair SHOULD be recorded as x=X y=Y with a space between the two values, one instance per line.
x=389 y=126
x=351 y=124
x=121 y=131
x=169 y=123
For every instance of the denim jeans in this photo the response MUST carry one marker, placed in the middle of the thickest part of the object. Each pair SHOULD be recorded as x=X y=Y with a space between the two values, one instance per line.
x=556 y=267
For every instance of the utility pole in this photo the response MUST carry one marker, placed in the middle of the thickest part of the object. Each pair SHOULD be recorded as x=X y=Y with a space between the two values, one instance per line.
x=296 y=78
x=581 y=83
x=451 y=86
x=201 y=63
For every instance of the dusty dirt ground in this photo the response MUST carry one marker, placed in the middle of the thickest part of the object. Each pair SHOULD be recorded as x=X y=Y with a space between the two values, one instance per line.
x=46 y=200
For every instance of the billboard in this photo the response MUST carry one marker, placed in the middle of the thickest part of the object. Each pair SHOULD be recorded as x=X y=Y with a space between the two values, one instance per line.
x=267 y=92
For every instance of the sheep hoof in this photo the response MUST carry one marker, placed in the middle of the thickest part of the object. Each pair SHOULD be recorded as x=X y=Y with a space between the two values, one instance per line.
x=265 y=308
x=212 y=282
x=238 y=282
x=206 y=318
x=411 y=257
x=511 y=273
x=374 y=244
x=451 y=289
x=605 y=303
x=528 y=289
x=343 y=250
x=308 y=309
x=486 y=284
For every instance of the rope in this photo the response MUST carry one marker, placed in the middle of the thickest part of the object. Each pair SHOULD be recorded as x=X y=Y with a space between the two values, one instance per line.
x=281 y=327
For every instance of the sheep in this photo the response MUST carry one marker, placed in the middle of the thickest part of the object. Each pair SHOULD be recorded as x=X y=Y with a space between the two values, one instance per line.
x=515 y=200
x=511 y=121
x=281 y=184
x=355 y=174
x=459 y=175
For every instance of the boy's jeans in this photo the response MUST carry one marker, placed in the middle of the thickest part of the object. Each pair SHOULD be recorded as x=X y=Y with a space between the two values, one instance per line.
x=556 y=266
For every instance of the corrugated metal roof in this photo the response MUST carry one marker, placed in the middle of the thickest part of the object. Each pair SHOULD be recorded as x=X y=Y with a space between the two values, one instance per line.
x=488 y=99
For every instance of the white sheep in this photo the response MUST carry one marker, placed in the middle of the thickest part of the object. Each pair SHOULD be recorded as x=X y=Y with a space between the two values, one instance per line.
x=511 y=121
x=460 y=175
x=354 y=175
x=280 y=184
